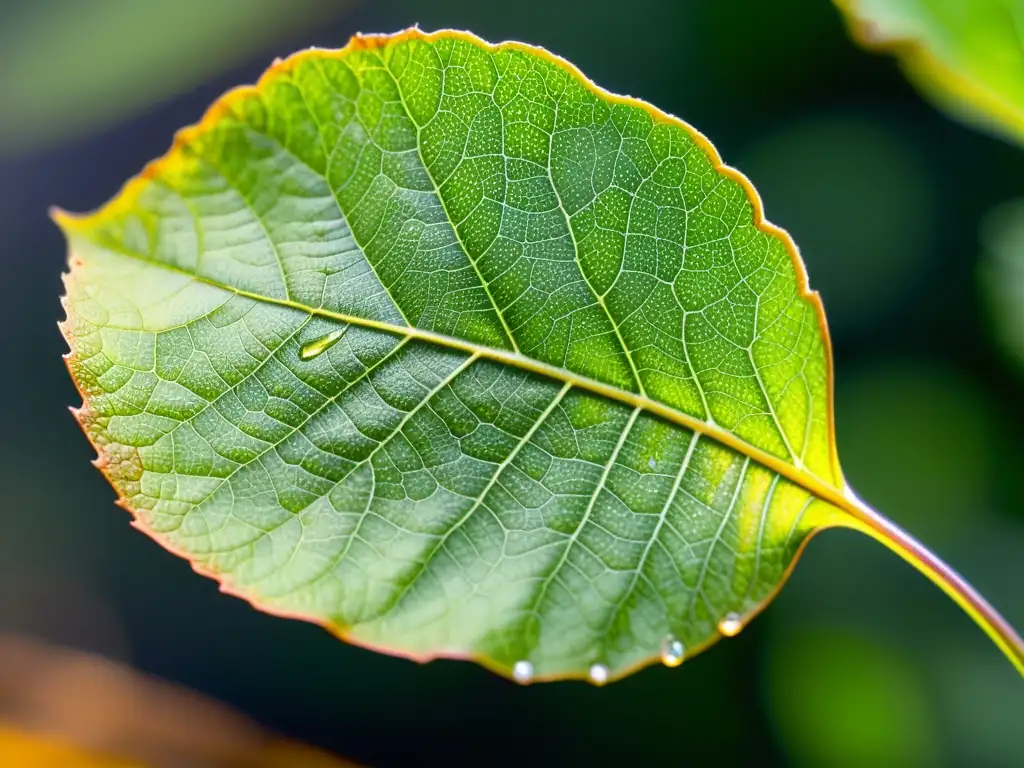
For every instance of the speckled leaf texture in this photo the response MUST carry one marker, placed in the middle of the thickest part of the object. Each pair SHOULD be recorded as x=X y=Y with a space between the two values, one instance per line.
x=439 y=345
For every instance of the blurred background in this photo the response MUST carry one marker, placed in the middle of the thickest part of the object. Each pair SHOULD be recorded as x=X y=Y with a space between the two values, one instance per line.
x=908 y=224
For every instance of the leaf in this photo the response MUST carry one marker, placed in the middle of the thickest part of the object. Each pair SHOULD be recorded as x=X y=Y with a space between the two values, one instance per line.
x=966 y=56
x=439 y=345
x=18 y=747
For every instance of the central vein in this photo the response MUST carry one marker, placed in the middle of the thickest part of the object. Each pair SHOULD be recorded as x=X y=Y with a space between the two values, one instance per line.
x=800 y=476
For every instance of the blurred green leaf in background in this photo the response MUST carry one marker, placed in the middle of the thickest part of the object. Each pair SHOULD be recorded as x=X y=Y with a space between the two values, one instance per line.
x=965 y=55
x=848 y=701
x=69 y=67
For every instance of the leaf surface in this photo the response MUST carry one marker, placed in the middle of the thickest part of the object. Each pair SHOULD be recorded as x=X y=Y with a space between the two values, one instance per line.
x=439 y=345
x=965 y=55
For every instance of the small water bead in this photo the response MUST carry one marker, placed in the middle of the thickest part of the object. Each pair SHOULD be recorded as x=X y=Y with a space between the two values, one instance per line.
x=731 y=624
x=598 y=674
x=652 y=463
x=672 y=651
x=317 y=347
x=522 y=671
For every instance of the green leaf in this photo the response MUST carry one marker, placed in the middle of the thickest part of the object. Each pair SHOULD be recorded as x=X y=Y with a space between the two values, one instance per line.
x=965 y=55
x=439 y=345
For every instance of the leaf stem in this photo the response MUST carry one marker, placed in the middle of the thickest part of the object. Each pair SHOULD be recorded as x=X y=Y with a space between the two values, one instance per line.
x=883 y=530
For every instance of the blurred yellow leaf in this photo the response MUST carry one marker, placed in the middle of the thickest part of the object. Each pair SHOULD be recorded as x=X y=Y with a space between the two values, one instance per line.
x=63 y=707
x=32 y=751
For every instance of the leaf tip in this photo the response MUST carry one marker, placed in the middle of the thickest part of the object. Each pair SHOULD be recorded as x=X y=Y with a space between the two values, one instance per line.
x=67 y=221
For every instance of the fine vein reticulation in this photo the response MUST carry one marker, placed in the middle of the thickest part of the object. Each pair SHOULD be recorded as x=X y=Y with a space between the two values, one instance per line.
x=568 y=395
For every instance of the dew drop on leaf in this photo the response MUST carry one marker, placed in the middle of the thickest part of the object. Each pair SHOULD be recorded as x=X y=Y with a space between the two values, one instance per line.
x=730 y=625
x=317 y=347
x=598 y=674
x=522 y=671
x=672 y=651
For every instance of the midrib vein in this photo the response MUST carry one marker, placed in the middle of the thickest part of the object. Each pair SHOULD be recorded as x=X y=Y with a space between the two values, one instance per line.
x=798 y=476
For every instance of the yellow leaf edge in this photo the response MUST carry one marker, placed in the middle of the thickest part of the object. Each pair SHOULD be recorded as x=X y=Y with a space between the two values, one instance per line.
x=858 y=515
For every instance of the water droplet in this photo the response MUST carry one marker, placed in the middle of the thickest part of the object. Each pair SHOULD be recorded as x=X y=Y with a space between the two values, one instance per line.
x=731 y=624
x=598 y=674
x=522 y=671
x=672 y=651
x=317 y=347
x=652 y=463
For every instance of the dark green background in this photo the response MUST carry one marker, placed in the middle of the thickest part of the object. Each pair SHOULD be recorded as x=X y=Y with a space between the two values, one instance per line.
x=859 y=662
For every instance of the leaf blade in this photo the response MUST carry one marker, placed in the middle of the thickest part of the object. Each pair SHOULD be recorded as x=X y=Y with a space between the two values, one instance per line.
x=457 y=473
